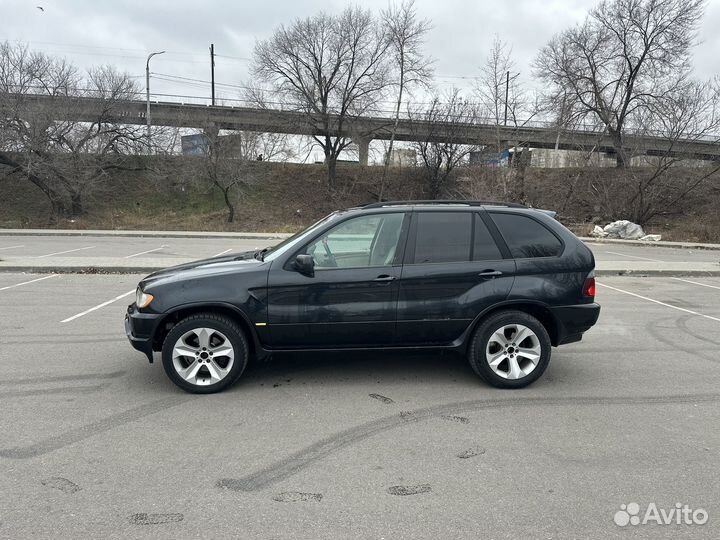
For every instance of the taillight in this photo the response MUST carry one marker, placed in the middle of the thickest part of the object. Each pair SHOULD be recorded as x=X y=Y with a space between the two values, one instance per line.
x=589 y=287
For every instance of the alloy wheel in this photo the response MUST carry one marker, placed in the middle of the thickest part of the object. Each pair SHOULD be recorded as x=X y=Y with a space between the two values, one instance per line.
x=513 y=351
x=203 y=356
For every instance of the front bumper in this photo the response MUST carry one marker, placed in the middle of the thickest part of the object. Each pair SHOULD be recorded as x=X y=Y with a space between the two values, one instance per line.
x=573 y=321
x=140 y=329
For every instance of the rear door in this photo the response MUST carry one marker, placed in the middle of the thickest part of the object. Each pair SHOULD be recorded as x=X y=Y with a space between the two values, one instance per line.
x=547 y=270
x=453 y=269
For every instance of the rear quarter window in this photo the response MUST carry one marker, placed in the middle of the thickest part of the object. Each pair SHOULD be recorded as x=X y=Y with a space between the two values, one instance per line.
x=525 y=237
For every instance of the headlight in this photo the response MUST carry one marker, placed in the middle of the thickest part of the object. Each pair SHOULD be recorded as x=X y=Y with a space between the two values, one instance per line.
x=142 y=299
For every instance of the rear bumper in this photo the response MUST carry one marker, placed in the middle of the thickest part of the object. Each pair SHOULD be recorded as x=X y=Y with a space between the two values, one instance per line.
x=573 y=321
x=140 y=329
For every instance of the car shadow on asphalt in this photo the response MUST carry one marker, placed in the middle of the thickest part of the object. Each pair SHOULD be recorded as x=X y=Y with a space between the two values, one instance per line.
x=347 y=367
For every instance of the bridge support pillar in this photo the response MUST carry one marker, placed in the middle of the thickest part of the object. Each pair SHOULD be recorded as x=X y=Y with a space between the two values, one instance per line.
x=211 y=131
x=363 y=149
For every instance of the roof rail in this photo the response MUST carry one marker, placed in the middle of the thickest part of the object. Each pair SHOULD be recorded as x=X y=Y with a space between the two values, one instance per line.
x=449 y=202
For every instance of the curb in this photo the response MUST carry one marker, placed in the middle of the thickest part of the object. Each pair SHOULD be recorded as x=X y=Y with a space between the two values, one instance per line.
x=657 y=273
x=146 y=234
x=81 y=269
x=676 y=245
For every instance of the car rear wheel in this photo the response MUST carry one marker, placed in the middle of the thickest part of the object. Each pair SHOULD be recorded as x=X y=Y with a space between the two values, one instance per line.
x=510 y=349
x=205 y=353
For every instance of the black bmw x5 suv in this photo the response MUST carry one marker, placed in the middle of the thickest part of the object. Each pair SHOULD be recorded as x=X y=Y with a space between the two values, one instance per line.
x=501 y=283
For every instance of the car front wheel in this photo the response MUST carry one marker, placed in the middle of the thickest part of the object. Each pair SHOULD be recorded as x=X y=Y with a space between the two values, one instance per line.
x=205 y=353
x=510 y=349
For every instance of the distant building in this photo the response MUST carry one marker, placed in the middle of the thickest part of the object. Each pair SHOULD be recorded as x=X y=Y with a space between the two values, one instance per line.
x=559 y=159
x=230 y=146
x=491 y=159
x=195 y=145
x=403 y=157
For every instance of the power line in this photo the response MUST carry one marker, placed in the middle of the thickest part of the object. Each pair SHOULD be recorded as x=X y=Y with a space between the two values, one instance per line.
x=204 y=85
x=84 y=50
x=468 y=77
x=234 y=57
x=238 y=86
x=200 y=83
x=85 y=46
x=66 y=48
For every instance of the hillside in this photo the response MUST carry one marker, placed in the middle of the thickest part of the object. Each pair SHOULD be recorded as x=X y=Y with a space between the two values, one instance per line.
x=173 y=194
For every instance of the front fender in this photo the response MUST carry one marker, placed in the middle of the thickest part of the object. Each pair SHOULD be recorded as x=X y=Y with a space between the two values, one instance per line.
x=177 y=313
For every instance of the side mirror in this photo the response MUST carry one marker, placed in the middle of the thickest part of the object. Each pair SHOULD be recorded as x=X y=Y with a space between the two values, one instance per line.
x=305 y=264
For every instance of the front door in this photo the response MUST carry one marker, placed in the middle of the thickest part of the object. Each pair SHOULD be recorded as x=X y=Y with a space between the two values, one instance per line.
x=351 y=299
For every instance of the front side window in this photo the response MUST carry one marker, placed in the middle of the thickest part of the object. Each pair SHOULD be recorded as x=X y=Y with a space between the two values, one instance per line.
x=363 y=241
x=443 y=237
x=297 y=239
x=526 y=237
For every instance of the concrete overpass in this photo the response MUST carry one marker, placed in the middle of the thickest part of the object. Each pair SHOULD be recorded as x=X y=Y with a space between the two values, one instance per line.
x=362 y=130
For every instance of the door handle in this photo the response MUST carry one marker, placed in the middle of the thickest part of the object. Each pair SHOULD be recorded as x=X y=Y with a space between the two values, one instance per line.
x=384 y=277
x=490 y=273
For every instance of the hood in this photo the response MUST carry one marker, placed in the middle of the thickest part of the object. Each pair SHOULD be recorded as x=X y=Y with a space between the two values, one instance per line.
x=233 y=262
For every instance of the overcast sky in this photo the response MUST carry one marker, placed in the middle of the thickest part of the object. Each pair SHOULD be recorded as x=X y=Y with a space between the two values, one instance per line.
x=123 y=32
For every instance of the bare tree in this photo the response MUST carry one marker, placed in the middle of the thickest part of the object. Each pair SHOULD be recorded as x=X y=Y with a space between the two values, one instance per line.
x=406 y=36
x=688 y=115
x=264 y=146
x=627 y=55
x=439 y=128
x=222 y=159
x=23 y=73
x=60 y=145
x=503 y=101
x=330 y=68
x=220 y=170
x=500 y=95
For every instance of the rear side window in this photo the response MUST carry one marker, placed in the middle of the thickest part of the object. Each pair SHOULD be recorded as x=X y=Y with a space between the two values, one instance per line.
x=443 y=237
x=526 y=237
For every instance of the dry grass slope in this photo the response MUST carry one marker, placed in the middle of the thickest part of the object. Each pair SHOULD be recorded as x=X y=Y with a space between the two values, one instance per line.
x=173 y=195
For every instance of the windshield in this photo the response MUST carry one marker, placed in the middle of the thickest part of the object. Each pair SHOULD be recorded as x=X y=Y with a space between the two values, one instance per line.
x=297 y=238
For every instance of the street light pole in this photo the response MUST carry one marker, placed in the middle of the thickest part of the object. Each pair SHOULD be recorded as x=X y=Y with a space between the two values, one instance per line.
x=507 y=95
x=212 y=72
x=147 y=93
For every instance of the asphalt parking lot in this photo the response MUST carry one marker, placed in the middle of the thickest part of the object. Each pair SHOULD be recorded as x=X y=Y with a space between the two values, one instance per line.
x=99 y=443
x=124 y=247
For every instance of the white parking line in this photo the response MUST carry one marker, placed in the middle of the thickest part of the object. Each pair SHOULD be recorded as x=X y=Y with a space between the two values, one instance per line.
x=696 y=283
x=98 y=306
x=144 y=252
x=63 y=252
x=26 y=282
x=11 y=247
x=223 y=252
x=634 y=256
x=661 y=303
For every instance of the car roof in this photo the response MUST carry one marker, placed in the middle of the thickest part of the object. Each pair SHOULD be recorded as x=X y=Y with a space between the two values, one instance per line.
x=448 y=204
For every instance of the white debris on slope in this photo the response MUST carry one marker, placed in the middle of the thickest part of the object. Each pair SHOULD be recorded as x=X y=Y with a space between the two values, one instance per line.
x=623 y=229
x=627 y=230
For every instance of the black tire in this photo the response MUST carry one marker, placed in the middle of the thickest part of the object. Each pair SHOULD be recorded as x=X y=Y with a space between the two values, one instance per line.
x=222 y=324
x=483 y=333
